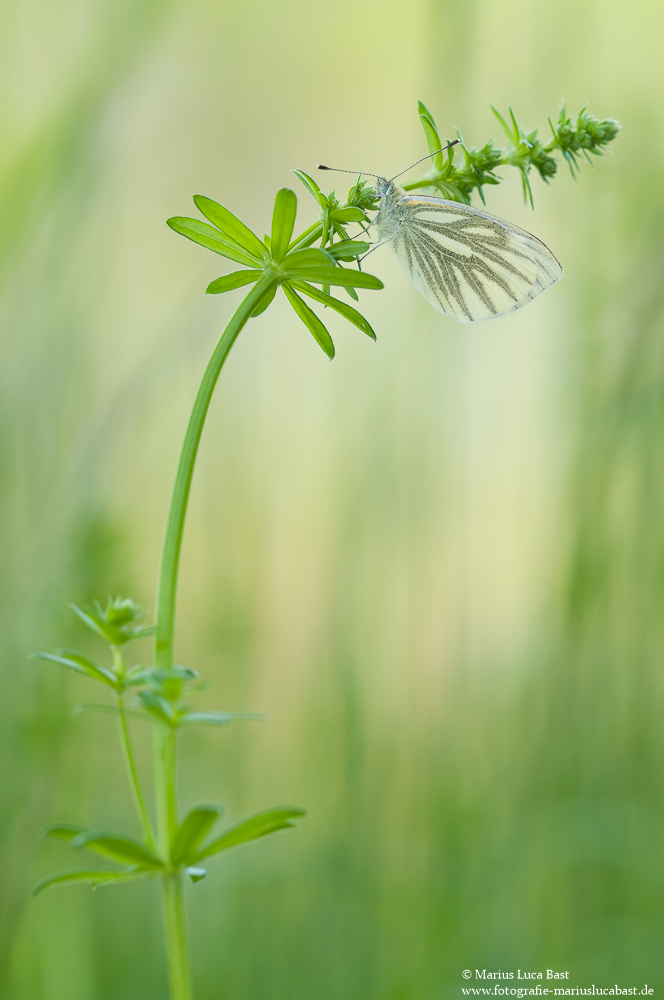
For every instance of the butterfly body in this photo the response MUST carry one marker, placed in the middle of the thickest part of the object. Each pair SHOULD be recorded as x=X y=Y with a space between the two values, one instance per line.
x=468 y=264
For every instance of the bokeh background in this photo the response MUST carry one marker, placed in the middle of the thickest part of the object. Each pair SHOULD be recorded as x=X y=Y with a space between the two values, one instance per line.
x=436 y=563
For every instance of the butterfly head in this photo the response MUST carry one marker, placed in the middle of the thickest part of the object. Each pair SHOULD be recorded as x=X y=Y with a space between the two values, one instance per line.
x=382 y=187
x=388 y=220
x=388 y=192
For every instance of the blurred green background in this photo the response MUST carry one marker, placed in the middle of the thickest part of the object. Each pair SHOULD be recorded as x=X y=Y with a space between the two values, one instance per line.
x=437 y=563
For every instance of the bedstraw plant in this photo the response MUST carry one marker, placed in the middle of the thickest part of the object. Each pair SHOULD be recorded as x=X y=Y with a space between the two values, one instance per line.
x=325 y=255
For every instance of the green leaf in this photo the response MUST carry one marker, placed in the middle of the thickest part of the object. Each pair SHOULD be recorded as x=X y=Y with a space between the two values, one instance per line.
x=230 y=225
x=307 y=258
x=352 y=315
x=347 y=214
x=209 y=237
x=117 y=847
x=431 y=134
x=348 y=249
x=137 y=675
x=117 y=621
x=91 y=706
x=283 y=220
x=192 y=831
x=195 y=874
x=219 y=718
x=169 y=681
x=308 y=237
x=93 y=669
x=93 y=876
x=326 y=226
x=505 y=127
x=260 y=825
x=79 y=663
x=228 y=282
x=159 y=707
x=265 y=301
x=88 y=620
x=144 y=631
x=62 y=831
x=310 y=320
x=312 y=187
x=337 y=276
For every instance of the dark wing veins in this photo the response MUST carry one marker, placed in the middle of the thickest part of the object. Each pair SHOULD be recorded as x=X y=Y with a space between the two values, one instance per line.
x=438 y=264
x=490 y=245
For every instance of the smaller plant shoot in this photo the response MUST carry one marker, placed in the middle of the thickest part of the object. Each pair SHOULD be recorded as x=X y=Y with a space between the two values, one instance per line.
x=172 y=848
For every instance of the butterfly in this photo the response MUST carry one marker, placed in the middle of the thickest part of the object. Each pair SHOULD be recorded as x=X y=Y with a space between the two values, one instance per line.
x=466 y=263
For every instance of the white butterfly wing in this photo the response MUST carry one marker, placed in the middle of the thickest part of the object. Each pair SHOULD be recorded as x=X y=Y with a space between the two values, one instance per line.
x=466 y=263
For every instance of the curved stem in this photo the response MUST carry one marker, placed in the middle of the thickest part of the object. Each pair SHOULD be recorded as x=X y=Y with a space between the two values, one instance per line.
x=165 y=739
x=170 y=556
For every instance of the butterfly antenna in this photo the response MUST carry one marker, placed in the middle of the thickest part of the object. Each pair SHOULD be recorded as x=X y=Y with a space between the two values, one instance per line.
x=423 y=159
x=341 y=170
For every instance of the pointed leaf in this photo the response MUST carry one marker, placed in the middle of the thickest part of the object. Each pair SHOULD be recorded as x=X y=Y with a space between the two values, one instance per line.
x=228 y=282
x=431 y=134
x=108 y=710
x=93 y=876
x=219 y=718
x=79 y=663
x=266 y=300
x=350 y=214
x=195 y=874
x=352 y=315
x=93 y=669
x=312 y=187
x=159 y=707
x=143 y=631
x=62 y=831
x=337 y=276
x=283 y=220
x=88 y=620
x=212 y=239
x=260 y=825
x=348 y=249
x=160 y=676
x=307 y=238
x=505 y=127
x=192 y=831
x=137 y=675
x=230 y=225
x=515 y=126
x=118 y=847
x=326 y=225
x=311 y=257
x=310 y=320
x=199 y=687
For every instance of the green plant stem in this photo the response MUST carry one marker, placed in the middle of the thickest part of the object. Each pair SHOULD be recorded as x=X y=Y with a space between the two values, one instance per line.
x=179 y=971
x=120 y=669
x=420 y=182
x=165 y=739
x=165 y=786
x=132 y=774
x=170 y=557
